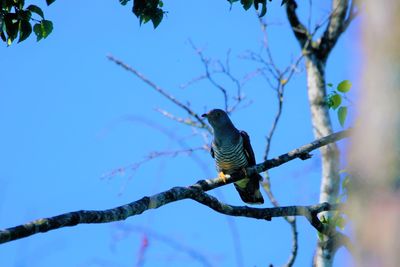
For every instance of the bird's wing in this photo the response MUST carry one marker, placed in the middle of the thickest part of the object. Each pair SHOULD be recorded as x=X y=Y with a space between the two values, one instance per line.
x=248 y=150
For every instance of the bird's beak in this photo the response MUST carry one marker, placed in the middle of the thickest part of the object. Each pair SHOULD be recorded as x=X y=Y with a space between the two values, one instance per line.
x=205 y=115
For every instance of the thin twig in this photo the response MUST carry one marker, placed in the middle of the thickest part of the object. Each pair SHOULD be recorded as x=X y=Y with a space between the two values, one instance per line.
x=279 y=87
x=169 y=241
x=193 y=81
x=151 y=156
x=206 y=63
x=186 y=121
x=161 y=91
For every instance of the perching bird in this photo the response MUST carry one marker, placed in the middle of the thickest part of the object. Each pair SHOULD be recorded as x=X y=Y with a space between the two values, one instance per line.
x=232 y=151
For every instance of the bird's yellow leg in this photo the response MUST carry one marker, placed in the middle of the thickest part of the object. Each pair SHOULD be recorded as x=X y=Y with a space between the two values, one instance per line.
x=222 y=176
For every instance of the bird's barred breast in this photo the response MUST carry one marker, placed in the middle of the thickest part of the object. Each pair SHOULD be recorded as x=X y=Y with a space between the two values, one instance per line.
x=230 y=158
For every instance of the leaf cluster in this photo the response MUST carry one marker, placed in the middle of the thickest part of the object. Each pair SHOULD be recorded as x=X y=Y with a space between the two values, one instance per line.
x=256 y=3
x=335 y=99
x=147 y=10
x=17 y=20
x=151 y=10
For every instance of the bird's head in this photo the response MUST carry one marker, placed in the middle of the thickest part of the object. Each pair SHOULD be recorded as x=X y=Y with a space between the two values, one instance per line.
x=217 y=118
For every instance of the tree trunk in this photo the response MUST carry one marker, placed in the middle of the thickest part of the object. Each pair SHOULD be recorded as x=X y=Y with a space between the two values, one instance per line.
x=329 y=154
x=316 y=55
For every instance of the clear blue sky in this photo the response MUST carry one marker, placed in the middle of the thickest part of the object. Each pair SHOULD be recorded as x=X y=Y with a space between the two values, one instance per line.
x=68 y=116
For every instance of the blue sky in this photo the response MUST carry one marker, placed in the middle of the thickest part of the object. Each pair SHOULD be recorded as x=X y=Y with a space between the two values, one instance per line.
x=69 y=116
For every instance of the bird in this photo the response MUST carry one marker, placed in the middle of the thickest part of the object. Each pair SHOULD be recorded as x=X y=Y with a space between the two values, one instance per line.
x=232 y=152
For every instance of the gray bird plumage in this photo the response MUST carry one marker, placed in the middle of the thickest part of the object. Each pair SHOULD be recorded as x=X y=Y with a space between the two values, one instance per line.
x=232 y=151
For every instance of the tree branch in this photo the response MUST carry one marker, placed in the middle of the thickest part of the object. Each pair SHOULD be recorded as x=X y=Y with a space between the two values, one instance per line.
x=337 y=24
x=161 y=91
x=195 y=192
x=335 y=27
x=281 y=81
x=299 y=30
x=169 y=241
x=301 y=152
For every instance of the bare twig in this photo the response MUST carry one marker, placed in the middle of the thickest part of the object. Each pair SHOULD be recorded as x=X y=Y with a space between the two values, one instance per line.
x=206 y=63
x=227 y=71
x=161 y=91
x=310 y=4
x=216 y=67
x=195 y=192
x=142 y=251
x=184 y=148
x=279 y=84
x=193 y=81
x=166 y=239
x=295 y=244
x=187 y=121
x=290 y=219
x=153 y=155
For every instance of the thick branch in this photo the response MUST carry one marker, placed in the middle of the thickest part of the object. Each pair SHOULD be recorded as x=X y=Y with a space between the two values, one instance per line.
x=337 y=24
x=301 y=152
x=195 y=192
x=335 y=27
x=299 y=30
x=153 y=202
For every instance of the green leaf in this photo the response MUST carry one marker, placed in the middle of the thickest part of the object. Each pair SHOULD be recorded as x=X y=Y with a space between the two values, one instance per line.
x=36 y=9
x=3 y=36
x=37 y=29
x=141 y=8
x=342 y=114
x=49 y=2
x=157 y=18
x=8 y=4
x=264 y=6
x=336 y=100
x=344 y=86
x=21 y=4
x=160 y=3
x=2 y=25
x=11 y=29
x=47 y=27
x=25 y=15
x=329 y=84
x=123 y=2
x=144 y=19
x=25 y=29
x=246 y=3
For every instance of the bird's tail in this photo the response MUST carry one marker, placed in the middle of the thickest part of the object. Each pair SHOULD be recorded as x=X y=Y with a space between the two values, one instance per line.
x=249 y=189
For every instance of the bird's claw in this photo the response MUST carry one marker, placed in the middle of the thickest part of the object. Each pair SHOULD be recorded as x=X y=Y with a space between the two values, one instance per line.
x=222 y=176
